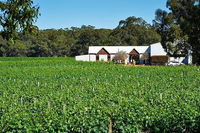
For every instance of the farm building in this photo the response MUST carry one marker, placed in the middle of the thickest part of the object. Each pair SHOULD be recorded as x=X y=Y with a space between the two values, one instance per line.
x=135 y=53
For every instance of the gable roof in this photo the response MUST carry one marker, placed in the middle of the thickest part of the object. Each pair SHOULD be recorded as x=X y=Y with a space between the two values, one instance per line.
x=157 y=49
x=103 y=51
x=134 y=52
x=115 y=49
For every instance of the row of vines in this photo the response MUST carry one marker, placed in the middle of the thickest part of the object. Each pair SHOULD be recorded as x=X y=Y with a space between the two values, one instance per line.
x=62 y=95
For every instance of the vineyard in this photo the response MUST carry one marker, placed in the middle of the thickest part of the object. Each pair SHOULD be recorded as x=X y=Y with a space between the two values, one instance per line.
x=62 y=95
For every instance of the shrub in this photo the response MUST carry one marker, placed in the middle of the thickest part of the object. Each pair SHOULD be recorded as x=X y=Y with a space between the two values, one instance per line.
x=120 y=57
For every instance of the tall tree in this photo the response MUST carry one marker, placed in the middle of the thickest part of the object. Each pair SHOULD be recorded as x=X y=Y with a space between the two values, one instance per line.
x=17 y=16
x=162 y=24
x=174 y=41
x=134 y=31
x=186 y=14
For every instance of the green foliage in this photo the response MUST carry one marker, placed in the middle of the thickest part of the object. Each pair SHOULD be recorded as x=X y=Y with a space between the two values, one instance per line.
x=17 y=16
x=173 y=39
x=75 y=41
x=180 y=25
x=62 y=95
x=134 y=31
x=186 y=13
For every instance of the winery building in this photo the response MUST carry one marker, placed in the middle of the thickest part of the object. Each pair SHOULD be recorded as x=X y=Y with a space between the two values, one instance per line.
x=135 y=53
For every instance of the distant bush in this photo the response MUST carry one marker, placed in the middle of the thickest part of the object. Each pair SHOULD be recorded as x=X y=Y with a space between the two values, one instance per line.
x=159 y=60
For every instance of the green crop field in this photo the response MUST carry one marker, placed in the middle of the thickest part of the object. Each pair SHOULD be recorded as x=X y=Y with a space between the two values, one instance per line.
x=62 y=95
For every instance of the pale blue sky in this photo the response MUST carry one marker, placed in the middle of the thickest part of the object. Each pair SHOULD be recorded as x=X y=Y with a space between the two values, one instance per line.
x=99 y=13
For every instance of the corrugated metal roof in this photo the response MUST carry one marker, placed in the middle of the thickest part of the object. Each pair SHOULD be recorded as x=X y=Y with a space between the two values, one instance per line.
x=115 y=49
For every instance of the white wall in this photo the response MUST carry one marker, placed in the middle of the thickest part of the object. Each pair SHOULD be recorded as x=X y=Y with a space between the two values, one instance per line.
x=92 y=57
x=178 y=59
x=185 y=60
x=127 y=60
x=82 y=58
x=103 y=58
x=190 y=59
x=86 y=58
x=111 y=57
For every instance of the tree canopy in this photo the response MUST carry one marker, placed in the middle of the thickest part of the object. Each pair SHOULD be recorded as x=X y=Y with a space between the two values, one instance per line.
x=75 y=41
x=180 y=28
x=17 y=16
x=134 y=31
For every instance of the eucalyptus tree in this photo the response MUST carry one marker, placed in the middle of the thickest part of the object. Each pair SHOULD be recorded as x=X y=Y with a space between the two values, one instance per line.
x=174 y=40
x=17 y=16
x=180 y=27
x=186 y=14
x=134 y=31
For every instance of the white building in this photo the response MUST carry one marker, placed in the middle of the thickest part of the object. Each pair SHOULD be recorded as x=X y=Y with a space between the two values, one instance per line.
x=107 y=53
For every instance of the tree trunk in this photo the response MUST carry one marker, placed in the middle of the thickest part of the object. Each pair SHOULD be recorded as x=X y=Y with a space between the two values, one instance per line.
x=110 y=126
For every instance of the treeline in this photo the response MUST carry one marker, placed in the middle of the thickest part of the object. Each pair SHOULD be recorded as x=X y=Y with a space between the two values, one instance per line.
x=75 y=41
x=178 y=29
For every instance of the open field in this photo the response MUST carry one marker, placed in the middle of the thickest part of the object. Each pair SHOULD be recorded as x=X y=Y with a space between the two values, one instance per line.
x=61 y=95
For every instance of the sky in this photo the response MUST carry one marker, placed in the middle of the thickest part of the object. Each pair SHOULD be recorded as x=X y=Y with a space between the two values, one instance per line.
x=58 y=14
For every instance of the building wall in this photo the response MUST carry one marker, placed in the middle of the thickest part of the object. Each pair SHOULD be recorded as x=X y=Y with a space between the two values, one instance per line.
x=92 y=57
x=103 y=57
x=177 y=59
x=185 y=60
x=127 y=60
x=112 y=56
x=82 y=58
x=190 y=59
